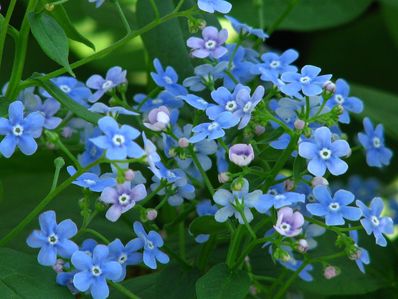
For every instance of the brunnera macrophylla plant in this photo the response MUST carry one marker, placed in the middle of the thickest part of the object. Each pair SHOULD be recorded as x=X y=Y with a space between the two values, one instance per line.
x=199 y=146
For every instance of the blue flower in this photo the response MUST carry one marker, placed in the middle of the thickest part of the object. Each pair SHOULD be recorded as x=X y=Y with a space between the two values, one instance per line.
x=215 y=129
x=325 y=154
x=363 y=189
x=93 y=271
x=211 y=6
x=164 y=98
x=98 y=3
x=279 y=200
x=91 y=181
x=274 y=65
x=114 y=77
x=373 y=222
x=242 y=28
x=151 y=243
x=308 y=81
x=112 y=111
x=205 y=208
x=125 y=255
x=210 y=45
x=168 y=79
x=92 y=152
x=118 y=142
x=205 y=75
x=222 y=163
x=237 y=202
x=247 y=103
x=341 y=98
x=88 y=246
x=195 y=101
x=377 y=154
x=19 y=130
x=362 y=257
x=334 y=209
x=53 y=239
x=73 y=88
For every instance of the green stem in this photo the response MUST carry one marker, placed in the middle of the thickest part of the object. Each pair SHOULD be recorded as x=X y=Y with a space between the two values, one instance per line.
x=67 y=152
x=155 y=9
x=11 y=31
x=20 y=53
x=179 y=5
x=153 y=193
x=42 y=204
x=201 y=170
x=181 y=237
x=123 y=17
x=250 y=230
x=59 y=163
x=104 y=52
x=335 y=229
x=4 y=27
x=96 y=234
x=234 y=246
x=282 y=17
x=121 y=289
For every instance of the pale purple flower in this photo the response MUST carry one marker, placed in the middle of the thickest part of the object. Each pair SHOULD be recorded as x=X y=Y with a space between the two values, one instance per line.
x=122 y=198
x=289 y=223
x=211 y=6
x=211 y=43
x=158 y=119
x=241 y=154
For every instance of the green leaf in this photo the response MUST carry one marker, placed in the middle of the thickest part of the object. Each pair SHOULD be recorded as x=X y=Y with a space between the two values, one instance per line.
x=306 y=15
x=166 y=41
x=389 y=12
x=4 y=104
x=207 y=225
x=61 y=16
x=221 y=283
x=67 y=102
x=22 y=277
x=176 y=282
x=298 y=167
x=142 y=286
x=380 y=106
x=51 y=38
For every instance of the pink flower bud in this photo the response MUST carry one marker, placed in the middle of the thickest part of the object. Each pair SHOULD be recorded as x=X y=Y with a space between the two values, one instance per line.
x=59 y=265
x=253 y=290
x=289 y=185
x=241 y=154
x=330 y=272
x=259 y=130
x=223 y=177
x=67 y=132
x=329 y=86
x=183 y=142
x=319 y=181
x=129 y=175
x=299 y=124
x=151 y=214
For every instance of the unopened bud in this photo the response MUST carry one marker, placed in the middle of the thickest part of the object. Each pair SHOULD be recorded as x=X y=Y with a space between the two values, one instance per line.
x=319 y=181
x=183 y=142
x=247 y=259
x=59 y=266
x=237 y=184
x=253 y=290
x=67 y=132
x=355 y=253
x=282 y=255
x=151 y=214
x=331 y=271
x=49 y=6
x=259 y=130
x=307 y=132
x=299 y=124
x=329 y=87
x=289 y=185
x=129 y=175
x=223 y=177
x=241 y=154
x=59 y=162
x=302 y=245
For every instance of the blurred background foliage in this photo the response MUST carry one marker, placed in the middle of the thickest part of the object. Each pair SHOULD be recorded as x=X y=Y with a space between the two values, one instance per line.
x=352 y=39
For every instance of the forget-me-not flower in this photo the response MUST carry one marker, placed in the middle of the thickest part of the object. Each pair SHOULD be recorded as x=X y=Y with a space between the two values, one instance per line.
x=362 y=257
x=205 y=74
x=211 y=6
x=53 y=239
x=289 y=223
x=92 y=181
x=279 y=199
x=244 y=29
x=334 y=209
x=19 y=130
x=377 y=154
x=323 y=153
x=211 y=43
x=373 y=222
x=167 y=78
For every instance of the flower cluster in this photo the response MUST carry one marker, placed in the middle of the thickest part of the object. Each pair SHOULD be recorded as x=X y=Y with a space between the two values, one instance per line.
x=165 y=150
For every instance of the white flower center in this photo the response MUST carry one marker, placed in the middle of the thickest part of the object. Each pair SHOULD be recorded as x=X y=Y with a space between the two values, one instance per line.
x=280 y=197
x=376 y=142
x=96 y=271
x=230 y=106
x=334 y=206
x=107 y=84
x=210 y=44
x=212 y=126
x=272 y=192
x=275 y=64
x=122 y=258
x=118 y=140
x=150 y=244
x=88 y=253
x=339 y=99
x=285 y=227
x=65 y=88
x=53 y=239
x=17 y=130
x=305 y=79
x=325 y=153
x=375 y=221
x=247 y=107
x=124 y=199
x=170 y=174
x=168 y=80
x=157 y=101
x=311 y=197
x=89 y=182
